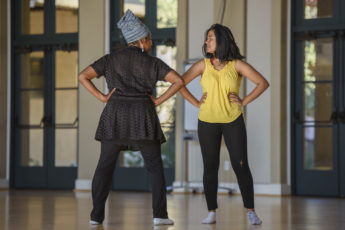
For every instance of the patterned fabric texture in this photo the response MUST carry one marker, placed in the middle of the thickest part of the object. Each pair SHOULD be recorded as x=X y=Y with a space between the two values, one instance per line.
x=130 y=114
x=129 y=119
x=132 y=28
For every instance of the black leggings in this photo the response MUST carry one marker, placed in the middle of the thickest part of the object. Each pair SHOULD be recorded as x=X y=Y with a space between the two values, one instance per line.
x=235 y=137
x=151 y=152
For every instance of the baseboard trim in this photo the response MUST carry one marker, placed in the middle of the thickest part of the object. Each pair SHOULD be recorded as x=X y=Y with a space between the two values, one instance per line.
x=83 y=184
x=4 y=184
x=259 y=189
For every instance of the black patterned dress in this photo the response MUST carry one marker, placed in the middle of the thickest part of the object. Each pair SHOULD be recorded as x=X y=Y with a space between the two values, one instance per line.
x=130 y=115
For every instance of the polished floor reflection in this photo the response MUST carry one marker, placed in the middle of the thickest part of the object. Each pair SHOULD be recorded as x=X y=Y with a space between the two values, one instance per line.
x=40 y=209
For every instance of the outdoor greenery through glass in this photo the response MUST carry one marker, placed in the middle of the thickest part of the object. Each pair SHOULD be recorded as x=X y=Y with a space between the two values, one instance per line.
x=166 y=13
x=318 y=9
x=317 y=104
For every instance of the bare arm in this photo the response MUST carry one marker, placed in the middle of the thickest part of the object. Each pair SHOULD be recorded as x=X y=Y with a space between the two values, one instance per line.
x=176 y=83
x=85 y=78
x=254 y=76
x=194 y=71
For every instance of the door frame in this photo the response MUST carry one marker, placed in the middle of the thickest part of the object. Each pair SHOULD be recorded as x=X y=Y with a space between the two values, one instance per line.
x=49 y=42
x=309 y=29
x=55 y=177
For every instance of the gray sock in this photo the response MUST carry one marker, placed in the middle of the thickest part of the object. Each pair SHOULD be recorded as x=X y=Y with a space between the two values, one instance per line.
x=253 y=218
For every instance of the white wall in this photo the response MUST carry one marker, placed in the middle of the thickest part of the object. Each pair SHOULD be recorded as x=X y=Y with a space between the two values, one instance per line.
x=91 y=47
x=258 y=112
x=200 y=18
x=259 y=55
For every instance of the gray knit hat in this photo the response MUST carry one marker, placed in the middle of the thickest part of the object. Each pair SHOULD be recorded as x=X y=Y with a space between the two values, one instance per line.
x=132 y=28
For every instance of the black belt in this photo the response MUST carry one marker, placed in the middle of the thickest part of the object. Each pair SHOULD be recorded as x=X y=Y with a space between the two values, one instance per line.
x=140 y=97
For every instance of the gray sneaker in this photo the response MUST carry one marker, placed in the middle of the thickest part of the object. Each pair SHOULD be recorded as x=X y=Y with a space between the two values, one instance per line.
x=253 y=218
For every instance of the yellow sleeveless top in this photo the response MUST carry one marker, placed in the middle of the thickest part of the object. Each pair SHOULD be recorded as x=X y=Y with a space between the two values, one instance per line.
x=218 y=84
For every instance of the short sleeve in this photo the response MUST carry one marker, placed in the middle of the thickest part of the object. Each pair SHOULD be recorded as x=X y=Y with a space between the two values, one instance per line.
x=100 y=65
x=162 y=70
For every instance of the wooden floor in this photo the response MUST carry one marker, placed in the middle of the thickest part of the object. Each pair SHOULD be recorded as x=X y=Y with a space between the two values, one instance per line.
x=67 y=210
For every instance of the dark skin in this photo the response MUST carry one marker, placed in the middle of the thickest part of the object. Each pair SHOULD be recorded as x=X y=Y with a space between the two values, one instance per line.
x=145 y=44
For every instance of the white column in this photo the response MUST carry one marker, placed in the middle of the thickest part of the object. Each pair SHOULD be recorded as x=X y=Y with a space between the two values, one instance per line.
x=91 y=47
x=259 y=111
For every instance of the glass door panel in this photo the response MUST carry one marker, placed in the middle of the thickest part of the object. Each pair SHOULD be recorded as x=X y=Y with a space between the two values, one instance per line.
x=66 y=147
x=317 y=102
x=166 y=111
x=66 y=108
x=166 y=14
x=66 y=102
x=318 y=148
x=315 y=131
x=66 y=16
x=167 y=54
x=31 y=109
x=318 y=9
x=45 y=93
x=136 y=6
x=32 y=112
x=31 y=66
x=32 y=147
x=29 y=119
x=32 y=16
x=66 y=69
x=131 y=159
x=318 y=59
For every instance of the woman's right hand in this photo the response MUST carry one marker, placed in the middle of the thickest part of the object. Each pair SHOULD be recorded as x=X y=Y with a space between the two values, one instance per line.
x=202 y=100
x=154 y=100
x=106 y=97
x=85 y=78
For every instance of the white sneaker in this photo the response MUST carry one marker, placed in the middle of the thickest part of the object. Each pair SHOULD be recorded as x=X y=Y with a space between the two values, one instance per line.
x=93 y=222
x=210 y=219
x=159 y=221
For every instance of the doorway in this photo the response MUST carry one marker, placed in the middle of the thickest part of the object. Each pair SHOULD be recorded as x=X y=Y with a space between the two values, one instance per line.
x=318 y=103
x=45 y=65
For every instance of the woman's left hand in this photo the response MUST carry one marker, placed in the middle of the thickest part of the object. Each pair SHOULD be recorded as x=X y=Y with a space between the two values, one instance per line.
x=234 y=98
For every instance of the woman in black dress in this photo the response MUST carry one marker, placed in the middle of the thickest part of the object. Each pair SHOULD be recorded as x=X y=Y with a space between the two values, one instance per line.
x=129 y=119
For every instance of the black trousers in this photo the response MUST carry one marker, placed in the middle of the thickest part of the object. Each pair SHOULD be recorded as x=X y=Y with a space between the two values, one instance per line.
x=151 y=152
x=235 y=137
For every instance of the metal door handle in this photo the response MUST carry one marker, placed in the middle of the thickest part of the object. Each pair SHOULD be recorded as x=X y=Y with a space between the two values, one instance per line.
x=334 y=116
x=47 y=121
x=341 y=116
x=68 y=125
x=42 y=122
x=297 y=117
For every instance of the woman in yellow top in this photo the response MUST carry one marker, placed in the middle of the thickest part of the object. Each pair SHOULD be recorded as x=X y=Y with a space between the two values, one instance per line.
x=221 y=114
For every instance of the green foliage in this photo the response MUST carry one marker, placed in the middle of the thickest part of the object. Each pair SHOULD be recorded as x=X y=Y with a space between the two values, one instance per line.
x=166 y=13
